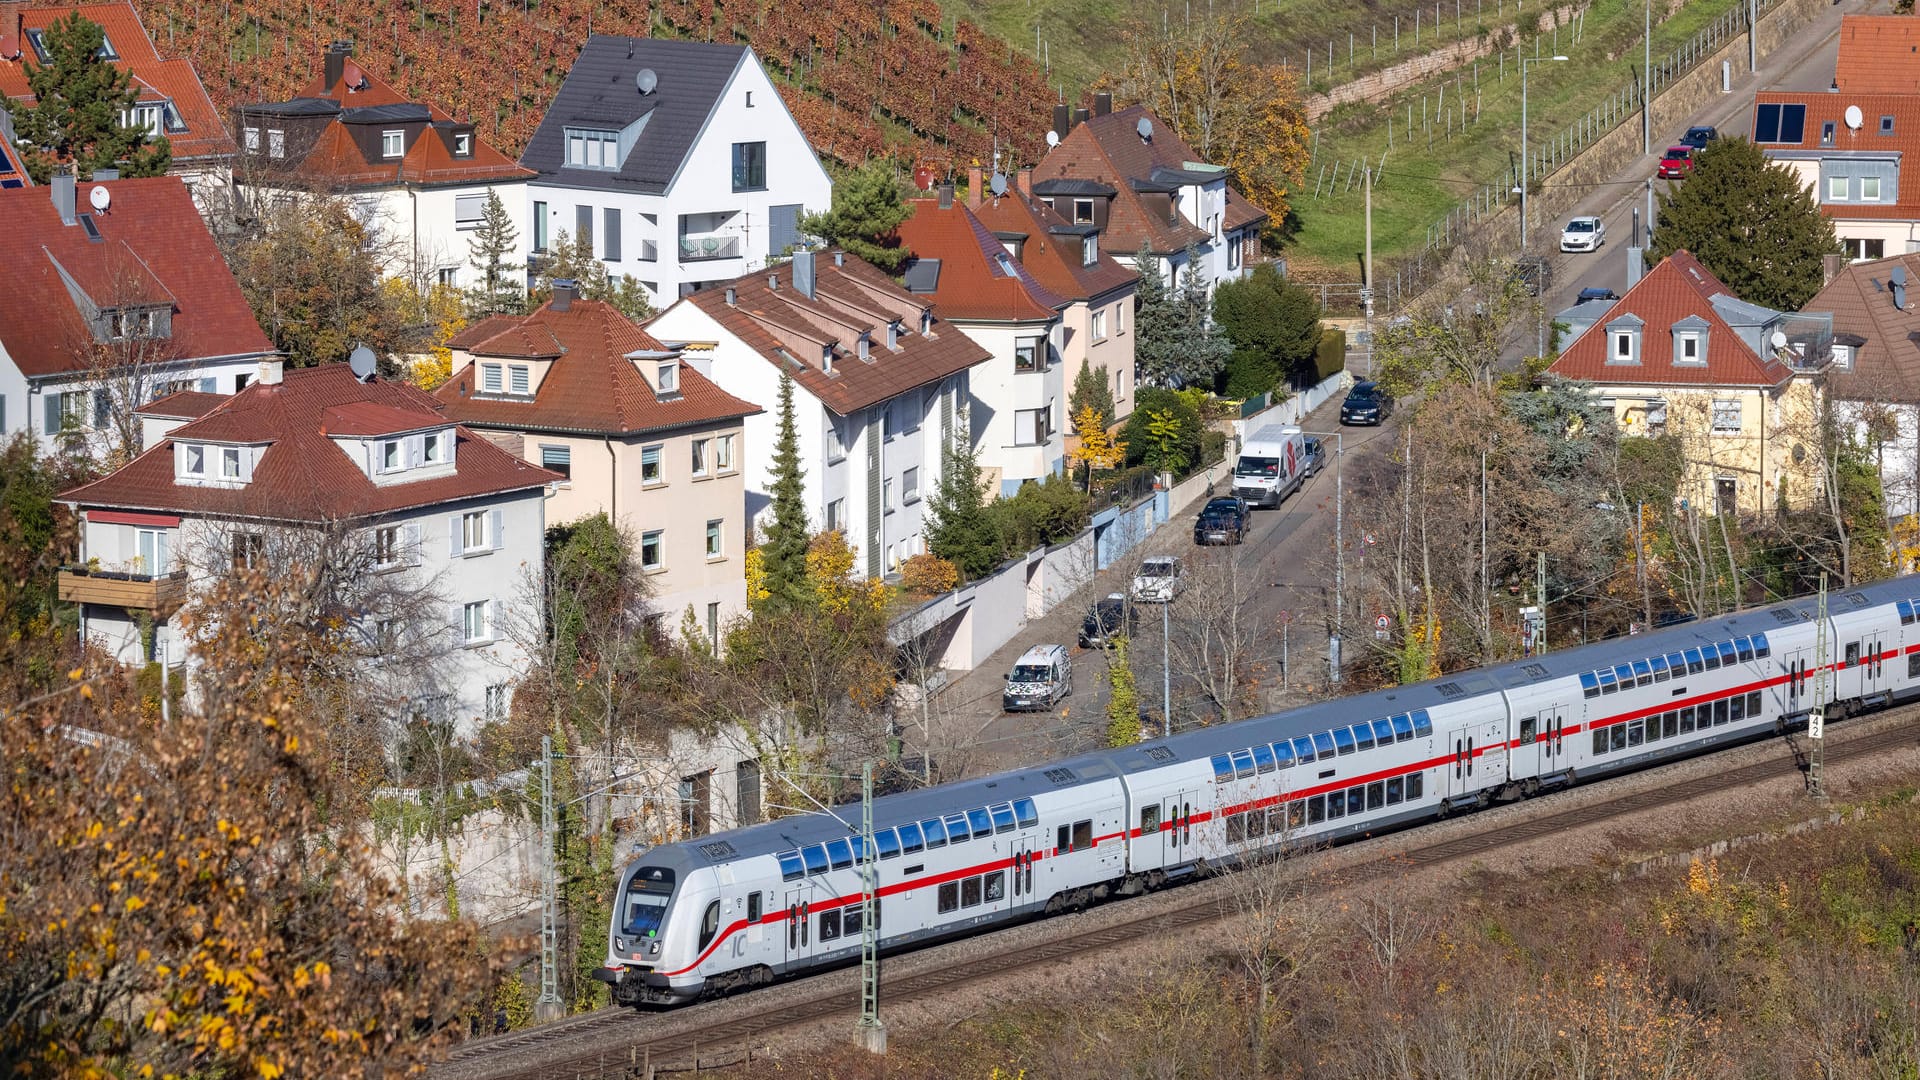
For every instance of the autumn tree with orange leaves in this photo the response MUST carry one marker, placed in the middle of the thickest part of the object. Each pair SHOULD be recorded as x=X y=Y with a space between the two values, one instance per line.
x=1198 y=77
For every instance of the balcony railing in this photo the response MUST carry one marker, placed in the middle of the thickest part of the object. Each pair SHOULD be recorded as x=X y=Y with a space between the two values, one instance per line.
x=708 y=248
x=159 y=593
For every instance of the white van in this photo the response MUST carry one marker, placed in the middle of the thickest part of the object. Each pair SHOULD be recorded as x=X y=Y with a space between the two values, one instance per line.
x=1272 y=465
x=1039 y=679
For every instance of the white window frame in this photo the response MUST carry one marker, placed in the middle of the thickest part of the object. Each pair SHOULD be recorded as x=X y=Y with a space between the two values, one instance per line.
x=469 y=211
x=657 y=466
x=194 y=463
x=431 y=448
x=723 y=454
x=1083 y=211
x=1837 y=189
x=716 y=539
x=1029 y=427
x=1120 y=317
x=1869 y=189
x=476 y=622
x=697 y=457
x=1843 y=357
x=386 y=546
x=519 y=379
x=393 y=143
x=492 y=378
x=156 y=540
x=476 y=532
x=910 y=486
x=1622 y=346
x=1690 y=348
x=1098 y=326
x=1090 y=250
x=229 y=463
x=837 y=515
x=463 y=144
x=669 y=378
x=1038 y=365
x=1721 y=408
x=836 y=449
x=276 y=143
x=252 y=139
x=393 y=455
x=657 y=539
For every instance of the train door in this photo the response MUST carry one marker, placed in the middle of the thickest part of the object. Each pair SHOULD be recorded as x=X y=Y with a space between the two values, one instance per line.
x=1020 y=886
x=1799 y=686
x=1460 y=747
x=1873 y=669
x=798 y=930
x=1540 y=743
x=1176 y=829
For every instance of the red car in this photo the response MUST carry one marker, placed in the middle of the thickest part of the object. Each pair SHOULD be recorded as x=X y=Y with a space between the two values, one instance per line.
x=1676 y=163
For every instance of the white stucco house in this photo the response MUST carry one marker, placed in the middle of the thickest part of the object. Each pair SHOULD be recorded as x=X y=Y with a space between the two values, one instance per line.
x=880 y=389
x=112 y=293
x=418 y=176
x=678 y=158
x=443 y=529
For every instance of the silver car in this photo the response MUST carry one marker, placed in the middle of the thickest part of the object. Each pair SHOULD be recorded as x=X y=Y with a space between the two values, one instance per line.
x=1583 y=234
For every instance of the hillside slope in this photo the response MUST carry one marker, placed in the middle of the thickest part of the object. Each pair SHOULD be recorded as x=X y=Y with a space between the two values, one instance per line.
x=863 y=78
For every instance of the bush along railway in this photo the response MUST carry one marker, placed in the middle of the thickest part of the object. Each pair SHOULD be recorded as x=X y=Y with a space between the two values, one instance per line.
x=743 y=908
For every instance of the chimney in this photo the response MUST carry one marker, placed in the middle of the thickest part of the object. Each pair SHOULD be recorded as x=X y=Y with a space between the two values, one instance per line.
x=839 y=257
x=733 y=296
x=945 y=189
x=564 y=292
x=1102 y=103
x=1060 y=121
x=974 y=185
x=803 y=273
x=106 y=174
x=1636 y=265
x=336 y=62
x=1024 y=181
x=63 y=197
x=271 y=373
x=1080 y=116
x=1830 y=267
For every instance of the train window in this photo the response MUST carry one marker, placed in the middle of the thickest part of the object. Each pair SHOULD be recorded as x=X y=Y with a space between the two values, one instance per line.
x=1599 y=740
x=1063 y=839
x=1222 y=767
x=1590 y=684
x=1642 y=672
x=1623 y=674
x=1659 y=664
x=816 y=857
x=1737 y=708
x=1263 y=757
x=1670 y=725
x=1686 y=720
x=1636 y=734
x=888 y=842
x=949 y=899
x=1002 y=817
x=1422 y=724
x=1303 y=751
x=1402 y=728
x=1383 y=731
x=1316 y=810
x=1728 y=654
x=1363 y=736
x=1376 y=795
x=1236 y=828
x=1243 y=763
x=957 y=831
x=1256 y=824
x=909 y=839
x=1393 y=791
x=1356 y=800
x=829 y=925
x=1296 y=813
x=1024 y=811
x=970 y=892
x=1529 y=729
x=1618 y=734
x=1677 y=662
x=1149 y=819
x=1711 y=656
x=851 y=921
x=1336 y=805
x=1719 y=712
x=936 y=833
x=1745 y=648
x=1694 y=664
x=1082 y=835
x=1607 y=683
x=996 y=885
x=1322 y=745
x=1753 y=703
x=791 y=868
x=1416 y=785
x=1905 y=608
x=710 y=924
x=1853 y=655
x=1343 y=740
x=1913 y=665
x=1760 y=647
x=841 y=853
x=753 y=907
x=1283 y=751
x=980 y=821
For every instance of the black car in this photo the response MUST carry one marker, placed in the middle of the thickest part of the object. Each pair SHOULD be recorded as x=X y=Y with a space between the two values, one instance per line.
x=1110 y=618
x=1595 y=292
x=1367 y=403
x=1699 y=137
x=1222 y=520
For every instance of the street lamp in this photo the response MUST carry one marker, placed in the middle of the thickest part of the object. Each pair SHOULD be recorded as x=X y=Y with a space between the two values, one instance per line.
x=1523 y=142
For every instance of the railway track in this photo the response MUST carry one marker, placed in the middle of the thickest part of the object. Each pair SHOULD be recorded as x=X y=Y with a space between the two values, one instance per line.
x=620 y=1042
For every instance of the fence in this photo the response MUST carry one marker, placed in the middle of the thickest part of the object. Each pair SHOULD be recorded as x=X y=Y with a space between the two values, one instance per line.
x=1409 y=32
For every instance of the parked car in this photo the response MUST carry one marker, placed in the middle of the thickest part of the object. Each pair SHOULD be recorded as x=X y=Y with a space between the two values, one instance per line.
x=1366 y=403
x=1583 y=234
x=1316 y=455
x=1533 y=272
x=1110 y=618
x=1676 y=163
x=1039 y=679
x=1698 y=137
x=1596 y=292
x=1223 y=520
x=1159 y=579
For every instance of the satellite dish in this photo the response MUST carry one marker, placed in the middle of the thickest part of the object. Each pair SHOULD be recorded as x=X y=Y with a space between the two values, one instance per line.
x=1145 y=128
x=363 y=362
x=1854 y=117
x=998 y=185
x=1053 y=138
x=1899 y=275
x=923 y=177
x=1779 y=339
x=100 y=198
x=645 y=80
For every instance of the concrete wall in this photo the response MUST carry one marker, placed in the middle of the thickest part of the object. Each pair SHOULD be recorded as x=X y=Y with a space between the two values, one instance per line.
x=1291 y=411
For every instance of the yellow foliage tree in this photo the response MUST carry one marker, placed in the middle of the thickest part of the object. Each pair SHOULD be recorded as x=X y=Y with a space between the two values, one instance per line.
x=1098 y=449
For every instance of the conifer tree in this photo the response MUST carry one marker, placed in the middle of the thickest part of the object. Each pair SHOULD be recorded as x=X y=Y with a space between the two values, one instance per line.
x=1090 y=391
x=1751 y=222
x=784 y=547
x=865 y=216
x=958 y=526
x=77 y=115
x=499 y=290
x=1175 y=343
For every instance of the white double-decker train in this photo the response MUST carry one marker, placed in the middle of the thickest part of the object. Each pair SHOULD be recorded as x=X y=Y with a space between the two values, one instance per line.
x=743 y=908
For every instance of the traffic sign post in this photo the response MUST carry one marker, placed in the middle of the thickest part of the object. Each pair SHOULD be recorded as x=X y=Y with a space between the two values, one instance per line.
x=1381 y=626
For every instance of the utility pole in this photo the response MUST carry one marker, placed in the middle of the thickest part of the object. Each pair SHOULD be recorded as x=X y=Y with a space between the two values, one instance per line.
x=1817 y=716
x=1166 y=668
x=1366 y=287
x=1339 y=550
x=872 y=1033
x=1646 y=87
x=548 y=1007
x=1486 y=586
x=1540 y=590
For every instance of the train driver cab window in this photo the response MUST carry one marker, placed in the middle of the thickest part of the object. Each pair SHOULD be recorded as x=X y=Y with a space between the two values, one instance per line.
x=710 y=924
x=647 y=894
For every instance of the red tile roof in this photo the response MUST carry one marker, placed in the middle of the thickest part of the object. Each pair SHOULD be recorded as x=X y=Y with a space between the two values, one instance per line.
x=205 y=136
x=974 y=282
x=1825 y=109
x=1108 y=149
x=1886 y=367
x=789 y=330
x=303 y=475
x=154 y=247
x=1879 y=54
x=1677 y=288
x=591 y=386
x=182 y=405
x=363 y=418
x=1052 y=258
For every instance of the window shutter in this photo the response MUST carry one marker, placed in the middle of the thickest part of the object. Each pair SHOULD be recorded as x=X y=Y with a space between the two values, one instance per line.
x=873 y=496
x=52 y=424
x=411 y=537
x=491 y=613
x=611 y=240
x=783 y=227
x=459 y=624
x=453 y=535
x=499 y=525
x=583 y=226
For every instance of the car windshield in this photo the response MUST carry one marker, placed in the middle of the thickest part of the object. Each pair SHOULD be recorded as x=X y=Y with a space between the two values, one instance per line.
x=1360 y=395
x=1581 y=225
x=1156 y=568
x=647 y=894
x=1222 y=506
x=1679 y=151
x=1028 y=673
x=1257 y=466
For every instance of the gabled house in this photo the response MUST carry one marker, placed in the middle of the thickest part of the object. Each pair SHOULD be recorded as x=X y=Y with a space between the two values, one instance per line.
x=880 y=390
x=1127 y=173
x=1848 y=149
x=446 y=526
x=1679 y=354
x=172 y=103
x=637 y=432
x=1879 y=54
x=677 y=160
x=1019 y=397
x=418 y=175
x=112 y=293
x=1874 y=379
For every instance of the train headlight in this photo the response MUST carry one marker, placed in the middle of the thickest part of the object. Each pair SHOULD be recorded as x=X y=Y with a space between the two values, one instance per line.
x=653 y=947
x=620 y=944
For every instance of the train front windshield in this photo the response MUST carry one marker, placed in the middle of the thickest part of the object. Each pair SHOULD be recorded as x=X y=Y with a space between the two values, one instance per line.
x=648 y=891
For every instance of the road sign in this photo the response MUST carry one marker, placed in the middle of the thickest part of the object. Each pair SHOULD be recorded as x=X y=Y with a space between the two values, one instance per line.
x=1381 y=622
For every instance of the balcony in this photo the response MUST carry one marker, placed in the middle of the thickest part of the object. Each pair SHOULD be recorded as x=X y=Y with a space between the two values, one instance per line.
x=161 y=594
x=708 y=248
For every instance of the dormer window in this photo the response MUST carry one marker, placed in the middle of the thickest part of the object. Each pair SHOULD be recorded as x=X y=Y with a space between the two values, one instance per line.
x=1090 y=249
x=125 y=324
x=393 y=144
x=1623 y=340
x=1690 y=341
x=591 y=149
x=463 y=144
x=276 y=143
x=1622 y=348
x=250 y=140
x=194 y=461
x=393 y=455
x=519 y=380
x=490 y=378
x=229 y=463
x=1083 y=211
x=669 y=377
x=433 y=451
x=1005 y=263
